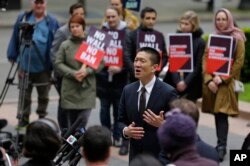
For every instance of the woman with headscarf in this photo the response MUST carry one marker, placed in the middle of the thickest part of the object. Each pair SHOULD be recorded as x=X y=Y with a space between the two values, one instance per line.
x=219 y=97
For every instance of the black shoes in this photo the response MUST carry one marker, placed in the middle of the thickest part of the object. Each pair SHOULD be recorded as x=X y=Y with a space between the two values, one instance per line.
x=23 y=123
x=123 y=150
x=3 y=123
x=124 y=147
x=117 y=142
x=222 y=151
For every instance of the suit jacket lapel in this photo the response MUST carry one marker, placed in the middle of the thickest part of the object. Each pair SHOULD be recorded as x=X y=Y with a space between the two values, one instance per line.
x=154 y=94
x=135 y=96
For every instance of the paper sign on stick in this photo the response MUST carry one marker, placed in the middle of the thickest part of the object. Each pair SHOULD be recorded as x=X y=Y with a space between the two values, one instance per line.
x=151 y=39
x=89 y=55
x=180 y=52
x=132 y=4
x=219 y=57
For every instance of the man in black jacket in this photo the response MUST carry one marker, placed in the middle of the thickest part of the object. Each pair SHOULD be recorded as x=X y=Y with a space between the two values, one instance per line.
x=144 y=36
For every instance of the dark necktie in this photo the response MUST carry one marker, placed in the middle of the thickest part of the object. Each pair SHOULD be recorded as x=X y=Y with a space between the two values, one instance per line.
x=142 y=103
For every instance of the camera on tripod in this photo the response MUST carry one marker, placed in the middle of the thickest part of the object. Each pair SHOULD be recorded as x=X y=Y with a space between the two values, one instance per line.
x=3 y=4
x=27 y=31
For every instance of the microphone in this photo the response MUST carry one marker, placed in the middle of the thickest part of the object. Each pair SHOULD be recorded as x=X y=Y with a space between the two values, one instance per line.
x=72 y=144
x=76 y=125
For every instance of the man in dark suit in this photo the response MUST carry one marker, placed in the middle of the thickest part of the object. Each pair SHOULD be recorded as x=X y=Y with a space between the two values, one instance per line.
x=148 y=92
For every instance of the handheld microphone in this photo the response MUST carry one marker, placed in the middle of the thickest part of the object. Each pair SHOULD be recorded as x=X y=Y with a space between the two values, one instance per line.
x=72 y=144
x=76 y=125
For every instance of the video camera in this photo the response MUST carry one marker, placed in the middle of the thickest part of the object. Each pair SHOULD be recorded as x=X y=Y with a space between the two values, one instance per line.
x=27 y=30
x=3 y=4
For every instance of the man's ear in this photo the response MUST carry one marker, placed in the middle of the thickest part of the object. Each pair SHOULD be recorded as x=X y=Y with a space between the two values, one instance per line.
x=154 y=68
x=110 y=151
x=82 y=151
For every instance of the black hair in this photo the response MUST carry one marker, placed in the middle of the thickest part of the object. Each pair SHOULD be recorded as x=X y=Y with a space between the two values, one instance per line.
x=154 y=54
x=96 y=143
x=75 y=6
x=41 y=141
x=147 y=10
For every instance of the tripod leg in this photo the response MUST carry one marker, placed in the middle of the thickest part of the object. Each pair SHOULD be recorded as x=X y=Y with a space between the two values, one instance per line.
x=24 y=101
x=8 y=82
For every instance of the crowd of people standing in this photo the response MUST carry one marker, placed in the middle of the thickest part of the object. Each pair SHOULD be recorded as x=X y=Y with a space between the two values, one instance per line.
x=138 y=98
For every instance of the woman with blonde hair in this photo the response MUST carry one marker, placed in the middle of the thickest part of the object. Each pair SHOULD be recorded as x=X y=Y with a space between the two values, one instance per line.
x=185 y=82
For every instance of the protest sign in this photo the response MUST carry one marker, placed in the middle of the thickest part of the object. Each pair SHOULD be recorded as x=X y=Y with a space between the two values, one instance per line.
x=151 y=39
x=180 y=52
x=219 y=57
x=114 y=53
x=89 y=55
x=134 y=5
x=92 y=51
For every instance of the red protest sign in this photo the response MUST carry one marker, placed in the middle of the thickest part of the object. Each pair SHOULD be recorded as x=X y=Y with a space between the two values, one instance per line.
x=113 y=57
x=89 y=55
x=219 y=57
x=180 y=52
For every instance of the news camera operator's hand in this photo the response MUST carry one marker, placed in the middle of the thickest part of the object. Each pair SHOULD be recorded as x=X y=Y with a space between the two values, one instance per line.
x=151 y=118
x=133 y=132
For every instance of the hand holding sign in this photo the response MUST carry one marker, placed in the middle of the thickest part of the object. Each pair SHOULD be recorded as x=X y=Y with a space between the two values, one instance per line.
x=217 y=80
x=212 y=86
x=81 y=73
x=220 y=53
x=114 y=69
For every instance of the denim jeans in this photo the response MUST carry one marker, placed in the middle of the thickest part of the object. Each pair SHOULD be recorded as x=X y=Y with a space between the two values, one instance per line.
x=105 y=115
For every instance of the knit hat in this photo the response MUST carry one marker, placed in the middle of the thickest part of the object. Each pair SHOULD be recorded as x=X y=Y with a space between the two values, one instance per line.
x=177 y=132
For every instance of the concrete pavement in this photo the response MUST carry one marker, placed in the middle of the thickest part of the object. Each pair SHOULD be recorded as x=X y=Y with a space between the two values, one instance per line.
x=238 y=129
